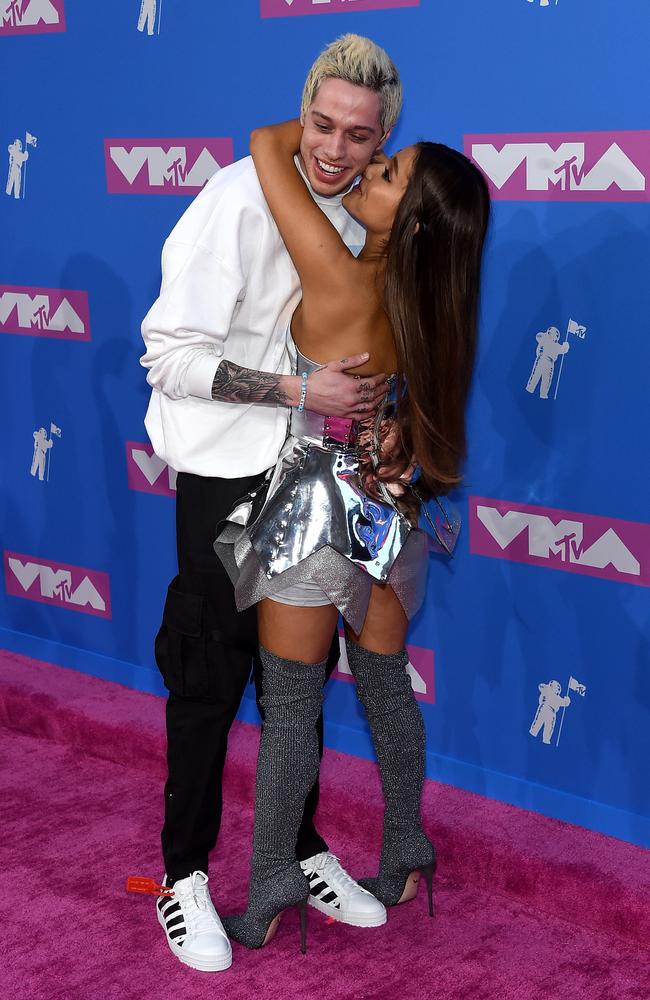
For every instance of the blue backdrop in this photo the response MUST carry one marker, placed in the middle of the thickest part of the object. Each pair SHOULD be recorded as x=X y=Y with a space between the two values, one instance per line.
x=550 y=583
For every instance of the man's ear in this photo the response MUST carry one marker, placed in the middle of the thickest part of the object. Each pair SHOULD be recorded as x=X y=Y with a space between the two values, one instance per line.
x=302 y=120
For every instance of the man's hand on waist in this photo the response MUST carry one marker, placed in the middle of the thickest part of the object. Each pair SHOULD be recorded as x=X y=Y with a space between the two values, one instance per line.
x=331 y=392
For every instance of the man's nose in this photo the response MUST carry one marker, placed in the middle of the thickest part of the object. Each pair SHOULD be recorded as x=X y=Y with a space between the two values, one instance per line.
x=336 y=146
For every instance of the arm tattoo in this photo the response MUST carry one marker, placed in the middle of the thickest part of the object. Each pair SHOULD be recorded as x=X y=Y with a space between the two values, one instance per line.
x=234 y=384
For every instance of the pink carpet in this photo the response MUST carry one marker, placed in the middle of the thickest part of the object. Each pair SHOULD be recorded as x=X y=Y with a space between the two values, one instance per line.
x=527 y=907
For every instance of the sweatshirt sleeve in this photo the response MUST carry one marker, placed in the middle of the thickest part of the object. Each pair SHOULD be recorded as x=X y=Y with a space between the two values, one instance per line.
x=186 y=328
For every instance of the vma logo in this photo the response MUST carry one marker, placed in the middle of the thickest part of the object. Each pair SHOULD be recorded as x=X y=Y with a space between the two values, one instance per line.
x=163 y=166
x=148 y=473
x=31 y=17
x=71 y=587
x=571 y=166
x=420 y=670
x=557 y=539
x=45 y=312
x=297 y=8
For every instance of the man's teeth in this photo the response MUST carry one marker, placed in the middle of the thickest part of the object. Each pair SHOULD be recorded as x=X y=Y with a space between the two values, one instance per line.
x=328 y=168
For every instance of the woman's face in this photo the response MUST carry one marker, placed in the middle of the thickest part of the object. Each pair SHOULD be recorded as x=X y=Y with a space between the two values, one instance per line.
x=375 y=199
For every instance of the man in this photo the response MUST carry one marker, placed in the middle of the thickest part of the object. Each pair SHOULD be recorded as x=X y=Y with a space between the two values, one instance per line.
x=218 y=360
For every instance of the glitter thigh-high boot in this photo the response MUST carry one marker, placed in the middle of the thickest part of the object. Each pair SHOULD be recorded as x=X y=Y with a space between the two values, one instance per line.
x=287 y=767
x=397 y=727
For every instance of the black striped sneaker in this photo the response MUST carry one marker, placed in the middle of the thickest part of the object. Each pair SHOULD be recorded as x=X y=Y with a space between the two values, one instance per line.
x=334 y=892
x=194 y=932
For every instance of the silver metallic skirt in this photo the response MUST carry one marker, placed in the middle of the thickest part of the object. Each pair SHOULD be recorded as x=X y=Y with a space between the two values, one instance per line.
x=317 y=525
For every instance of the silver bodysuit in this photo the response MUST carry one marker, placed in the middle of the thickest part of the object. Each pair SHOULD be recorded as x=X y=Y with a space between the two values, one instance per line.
x=318 y=526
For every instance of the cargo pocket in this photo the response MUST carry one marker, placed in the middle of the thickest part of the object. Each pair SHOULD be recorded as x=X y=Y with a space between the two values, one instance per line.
x=180 y=648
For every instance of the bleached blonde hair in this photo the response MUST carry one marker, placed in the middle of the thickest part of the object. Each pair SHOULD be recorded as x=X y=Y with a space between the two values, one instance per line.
x=359 y=61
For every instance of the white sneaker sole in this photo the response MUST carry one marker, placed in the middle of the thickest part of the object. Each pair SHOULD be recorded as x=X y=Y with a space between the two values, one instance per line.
x=353 y=919
x=201 y=964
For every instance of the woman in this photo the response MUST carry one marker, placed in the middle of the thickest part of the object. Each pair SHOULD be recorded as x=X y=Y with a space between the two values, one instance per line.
x=337 y=531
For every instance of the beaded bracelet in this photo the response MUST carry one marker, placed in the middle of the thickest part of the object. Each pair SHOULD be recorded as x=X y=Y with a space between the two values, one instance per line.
x=303 y=392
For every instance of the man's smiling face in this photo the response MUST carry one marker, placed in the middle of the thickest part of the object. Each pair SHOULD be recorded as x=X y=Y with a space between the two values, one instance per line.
x=342 y=130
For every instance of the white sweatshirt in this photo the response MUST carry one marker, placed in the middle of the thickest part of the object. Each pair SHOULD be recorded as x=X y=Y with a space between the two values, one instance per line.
x=229 y=289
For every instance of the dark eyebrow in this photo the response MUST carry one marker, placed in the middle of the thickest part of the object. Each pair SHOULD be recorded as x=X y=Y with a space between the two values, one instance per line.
x=353 y=128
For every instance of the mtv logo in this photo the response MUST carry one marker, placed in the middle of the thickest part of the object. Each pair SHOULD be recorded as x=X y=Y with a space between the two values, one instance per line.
x=299 y=8
x=420 y=670
x=576 y=543
x=45 y=312
x=31 y=17
x=570 y=166
x=148 y=473
x=163 y=166
x=72 y=587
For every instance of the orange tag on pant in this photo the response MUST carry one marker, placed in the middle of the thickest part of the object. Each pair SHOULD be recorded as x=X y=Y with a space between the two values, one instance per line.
x=148 y=886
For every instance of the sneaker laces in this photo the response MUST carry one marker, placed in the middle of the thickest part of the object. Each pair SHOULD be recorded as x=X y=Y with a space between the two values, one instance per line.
x=196 y=904
x=335 y=874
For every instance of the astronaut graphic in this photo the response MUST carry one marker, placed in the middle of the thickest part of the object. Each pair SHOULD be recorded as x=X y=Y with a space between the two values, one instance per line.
x=42 y=445
x=551 y=700
x=147 y=15
x=17 y=157
x=548 y=350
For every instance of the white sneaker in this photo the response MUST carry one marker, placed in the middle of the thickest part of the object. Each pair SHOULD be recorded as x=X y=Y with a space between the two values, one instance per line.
x=194 y=932
x=332 y=891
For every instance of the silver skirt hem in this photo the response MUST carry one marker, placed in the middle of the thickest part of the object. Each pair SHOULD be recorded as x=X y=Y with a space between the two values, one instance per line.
x=347 y=585
x=317 y=525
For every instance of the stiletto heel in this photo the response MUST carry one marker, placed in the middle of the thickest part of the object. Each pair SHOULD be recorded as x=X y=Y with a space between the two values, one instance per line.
x=302 y=912
x=398 y=880
x=428 y=871
x=267 y=900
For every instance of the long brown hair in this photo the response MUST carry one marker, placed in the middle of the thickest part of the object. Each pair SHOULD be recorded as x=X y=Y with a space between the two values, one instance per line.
x=431 y=297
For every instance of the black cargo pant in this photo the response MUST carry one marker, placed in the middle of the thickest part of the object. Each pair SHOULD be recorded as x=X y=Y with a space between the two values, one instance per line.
x=205 y=650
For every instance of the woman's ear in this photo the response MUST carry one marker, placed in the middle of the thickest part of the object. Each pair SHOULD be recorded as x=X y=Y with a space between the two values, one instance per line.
x=417 y=229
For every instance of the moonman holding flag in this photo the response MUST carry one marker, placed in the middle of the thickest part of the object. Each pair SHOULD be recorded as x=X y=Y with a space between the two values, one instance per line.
x=42 y=445
x=17 y=158
x=550 y=699
x=548 y=350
